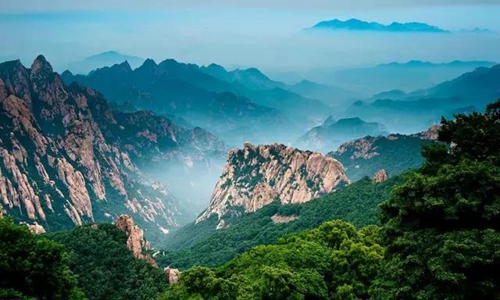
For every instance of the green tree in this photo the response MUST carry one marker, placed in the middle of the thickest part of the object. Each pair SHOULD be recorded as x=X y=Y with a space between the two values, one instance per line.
x=33 y=267
x=106 y=268
x=333 y=261
x=441 y=227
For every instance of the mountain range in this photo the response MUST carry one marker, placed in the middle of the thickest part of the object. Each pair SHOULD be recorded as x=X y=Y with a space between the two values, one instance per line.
x=359 y=25
x=334 y=96
x=238 y=106
x=246 y=208
x=408 y=76
x=418 y=110
x=67 y=158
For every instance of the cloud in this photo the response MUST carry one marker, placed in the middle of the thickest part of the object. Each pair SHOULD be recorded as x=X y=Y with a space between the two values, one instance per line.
x=61 y=5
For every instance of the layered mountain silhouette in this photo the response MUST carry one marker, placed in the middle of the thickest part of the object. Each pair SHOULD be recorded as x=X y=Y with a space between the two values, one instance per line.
x=420 y=109
x=359 y=25
x=104 y=59
x=251 y=78
x=331 y=95
x=226 y=103
x=408 y=76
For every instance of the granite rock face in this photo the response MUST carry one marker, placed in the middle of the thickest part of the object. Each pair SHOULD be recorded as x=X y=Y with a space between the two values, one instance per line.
x=67 y=157
x=173 y=275
x=135 y=241
x=35 y=228
x=255 y=176
x=380 y=176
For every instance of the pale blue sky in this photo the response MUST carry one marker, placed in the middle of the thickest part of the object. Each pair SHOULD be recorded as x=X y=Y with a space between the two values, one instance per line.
x=265 y=34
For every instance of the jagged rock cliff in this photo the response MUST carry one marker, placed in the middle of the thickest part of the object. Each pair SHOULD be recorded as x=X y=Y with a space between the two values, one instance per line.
x=67 y=158
x=257 y=175
x=135 y=242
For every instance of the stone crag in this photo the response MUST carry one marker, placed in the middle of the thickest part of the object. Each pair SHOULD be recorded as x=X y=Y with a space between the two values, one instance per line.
x=135 y=241
x=255 y=176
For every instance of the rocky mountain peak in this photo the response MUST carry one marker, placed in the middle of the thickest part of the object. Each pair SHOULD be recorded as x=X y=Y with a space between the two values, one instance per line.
x=41 y=64
x=149 y=65
x=255 y=176
x=41 y=70
x=68 y=158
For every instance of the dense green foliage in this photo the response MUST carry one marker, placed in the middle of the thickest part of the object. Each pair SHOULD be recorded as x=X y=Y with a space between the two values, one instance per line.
x=332 y=261
x=32 y=267
x=356 y=203
x=441 y=227
x=106 y=268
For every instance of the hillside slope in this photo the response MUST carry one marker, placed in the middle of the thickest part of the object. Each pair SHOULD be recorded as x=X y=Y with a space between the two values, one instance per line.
x=200 y=244
x=394 y=153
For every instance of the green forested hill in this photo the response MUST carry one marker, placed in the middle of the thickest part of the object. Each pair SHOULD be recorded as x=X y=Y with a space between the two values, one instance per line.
x=106 y=268
x=395 y=153
x=333 y=261
x=202 y=245
x=33 y=267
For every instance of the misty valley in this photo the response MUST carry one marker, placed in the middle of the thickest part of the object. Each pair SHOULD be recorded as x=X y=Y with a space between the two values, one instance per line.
x=302 y=157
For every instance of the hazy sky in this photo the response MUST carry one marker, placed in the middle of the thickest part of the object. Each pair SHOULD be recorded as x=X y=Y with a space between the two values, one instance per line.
x=266 y=34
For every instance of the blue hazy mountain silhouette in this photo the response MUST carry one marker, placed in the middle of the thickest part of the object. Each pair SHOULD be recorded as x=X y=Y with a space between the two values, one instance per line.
x=359 y=25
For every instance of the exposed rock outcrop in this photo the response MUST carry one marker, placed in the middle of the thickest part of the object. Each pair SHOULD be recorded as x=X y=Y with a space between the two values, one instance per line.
x=173 y=275
x=135 y=242
x=380 y=176
x=283 y=219
x=394 y=153
x=430 y=134
x=67 y=157
x=255 y=176
x=36 y=228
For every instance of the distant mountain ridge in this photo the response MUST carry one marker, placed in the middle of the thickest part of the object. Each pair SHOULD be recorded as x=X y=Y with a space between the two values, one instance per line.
x=262 y=90
x=331 y=95
x=359 y=25
x=332 y=134
x=455 y=63
x=406 y=76
x=238 y=105
x=104 y=59
x=179 y=89
x=252 y=78
x=418 y=110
